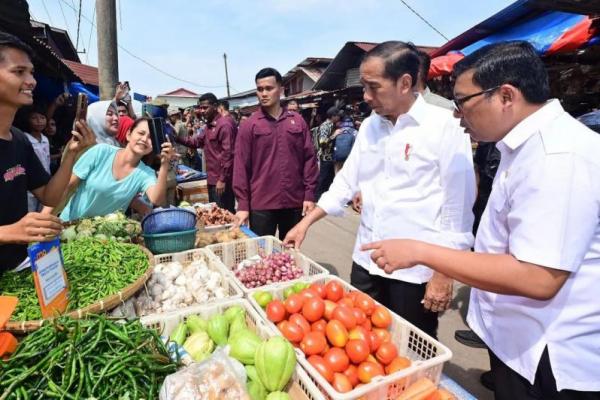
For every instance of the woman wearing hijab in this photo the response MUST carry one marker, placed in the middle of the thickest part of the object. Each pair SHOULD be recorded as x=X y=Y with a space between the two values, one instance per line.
x=102 y=117
x=108 y=177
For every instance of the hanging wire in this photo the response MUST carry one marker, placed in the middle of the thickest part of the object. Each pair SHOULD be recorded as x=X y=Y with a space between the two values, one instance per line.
x=47 y=13
x=64 y=18
x=87 y=54
x=424 y=20
x=78 y=26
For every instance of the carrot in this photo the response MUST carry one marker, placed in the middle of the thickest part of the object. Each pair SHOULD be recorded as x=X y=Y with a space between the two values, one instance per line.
x=419 y=390
x=8 y=343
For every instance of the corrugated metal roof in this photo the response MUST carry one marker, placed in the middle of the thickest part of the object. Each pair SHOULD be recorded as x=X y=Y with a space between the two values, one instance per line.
x=87 y=73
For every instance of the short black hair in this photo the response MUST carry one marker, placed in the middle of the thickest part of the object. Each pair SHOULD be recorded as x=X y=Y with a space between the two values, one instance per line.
x=424 y=65
x=224 y=104
x=515 y=63
x=267 y=72
x=399 y=58
x=8 y=41
x=210 y=97
x=334 y=111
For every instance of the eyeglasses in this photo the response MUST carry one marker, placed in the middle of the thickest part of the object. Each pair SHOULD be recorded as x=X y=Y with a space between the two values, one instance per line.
x=459 y=102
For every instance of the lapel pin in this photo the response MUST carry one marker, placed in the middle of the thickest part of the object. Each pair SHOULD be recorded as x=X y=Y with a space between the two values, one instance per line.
x=407 y=150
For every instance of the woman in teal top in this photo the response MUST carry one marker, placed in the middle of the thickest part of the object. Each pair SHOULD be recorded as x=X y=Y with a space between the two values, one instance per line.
x=108 y=178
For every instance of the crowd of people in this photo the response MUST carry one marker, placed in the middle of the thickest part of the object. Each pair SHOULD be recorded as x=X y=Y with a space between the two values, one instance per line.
x=531 y=252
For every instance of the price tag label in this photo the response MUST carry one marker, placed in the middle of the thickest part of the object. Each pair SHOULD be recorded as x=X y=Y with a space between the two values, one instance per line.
x=49 y=276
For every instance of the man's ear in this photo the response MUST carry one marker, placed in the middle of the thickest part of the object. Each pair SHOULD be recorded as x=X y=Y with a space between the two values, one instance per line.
x=508 y=94
x=406 y=83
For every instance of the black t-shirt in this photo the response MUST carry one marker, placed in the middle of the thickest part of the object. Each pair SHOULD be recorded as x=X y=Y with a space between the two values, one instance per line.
x=20 y=171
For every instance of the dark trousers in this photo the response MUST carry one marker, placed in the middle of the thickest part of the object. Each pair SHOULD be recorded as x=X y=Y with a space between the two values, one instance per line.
x=226 y=200
x=403 y=298
x=512 y=386
x=326 y=175
x=265 y=223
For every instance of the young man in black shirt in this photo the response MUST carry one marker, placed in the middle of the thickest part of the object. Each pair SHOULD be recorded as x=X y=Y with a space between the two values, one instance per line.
x=20 y=169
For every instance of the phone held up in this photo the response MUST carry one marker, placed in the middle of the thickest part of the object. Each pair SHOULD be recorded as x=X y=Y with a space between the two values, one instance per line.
x=81 y=110
x=157 y=134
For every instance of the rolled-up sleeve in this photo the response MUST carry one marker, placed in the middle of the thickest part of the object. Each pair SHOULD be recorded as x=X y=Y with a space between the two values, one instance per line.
x=242 y=170
x=311 y=170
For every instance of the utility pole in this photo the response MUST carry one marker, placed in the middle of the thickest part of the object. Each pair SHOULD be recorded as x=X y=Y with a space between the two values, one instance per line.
x=108 y=57
x=226 y=74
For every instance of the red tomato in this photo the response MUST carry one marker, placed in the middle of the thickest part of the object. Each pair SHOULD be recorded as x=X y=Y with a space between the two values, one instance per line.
x=301 y=322
x=336 y=333
x=341 y=383
x=275 y=311
x=371 y=358
x=313 y=309
x=319 y=364
x=358 y=350
x=292 y=332
x=381 y=317
x=326 y=349
x=367 y=325
x=365 y=303
x=329 y=307
x=313 y=343
x=374 y=341
x=386 y=353
x=359 y=315
x=346 y=302
x=397 y=364
x=345 y=316
x=360 y=333
x=352 y=296
x=309 y=294
x=319 y=288
x=293 y=304
x=368 y=370
x=335 y=290
x=280 y=324
x=319 y=326
x=352 y=373
x=383 y=334
x=337 y=359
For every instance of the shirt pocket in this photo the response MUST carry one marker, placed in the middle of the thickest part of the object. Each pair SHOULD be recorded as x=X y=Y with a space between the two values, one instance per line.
x=295 y=135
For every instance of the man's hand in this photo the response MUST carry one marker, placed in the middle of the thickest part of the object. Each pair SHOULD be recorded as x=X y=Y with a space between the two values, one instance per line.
x=241 y=218
x=307 y=206
x=394 y=254
x=120 y=91
x=220 y=188
x=33 y=227
x=357 y=202
x=295 y=236
x=82 y=138
x=438 y=293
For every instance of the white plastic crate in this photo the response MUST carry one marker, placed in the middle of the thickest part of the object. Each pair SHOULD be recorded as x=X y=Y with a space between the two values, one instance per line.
x=300 y=387
x=427 y=354
x=232 y=253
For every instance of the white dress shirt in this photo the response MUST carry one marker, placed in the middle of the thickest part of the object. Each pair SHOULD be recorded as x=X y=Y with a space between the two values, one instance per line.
x=417 y=181
x=545 y=209
x=42 y=151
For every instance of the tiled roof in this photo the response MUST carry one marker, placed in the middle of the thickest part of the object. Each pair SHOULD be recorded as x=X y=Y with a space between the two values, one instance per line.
x=87 y=73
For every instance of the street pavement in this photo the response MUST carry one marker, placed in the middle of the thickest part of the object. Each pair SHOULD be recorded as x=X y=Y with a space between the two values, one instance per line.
x=330 y=243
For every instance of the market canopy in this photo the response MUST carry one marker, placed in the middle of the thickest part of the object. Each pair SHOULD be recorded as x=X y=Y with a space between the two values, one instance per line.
x=550 y=32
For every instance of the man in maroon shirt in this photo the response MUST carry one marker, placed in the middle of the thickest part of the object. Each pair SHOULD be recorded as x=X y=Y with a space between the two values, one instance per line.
x=217 y=142
x=275 y=169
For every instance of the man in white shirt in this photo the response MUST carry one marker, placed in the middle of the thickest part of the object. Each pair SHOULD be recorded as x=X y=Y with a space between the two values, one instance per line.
x=536 y=264
x=413 y=164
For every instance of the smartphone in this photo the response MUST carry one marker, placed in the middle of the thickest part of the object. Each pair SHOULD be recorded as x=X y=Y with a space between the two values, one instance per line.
x=81 y=109
x=157 y=135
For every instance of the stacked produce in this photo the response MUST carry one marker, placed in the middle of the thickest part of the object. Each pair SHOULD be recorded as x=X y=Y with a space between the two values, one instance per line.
x=95 y=268
x=214 y=215
x=204 y=238
x=344 y=335
x=269 y=364
x=112 y=226
x=173 y=286
x=93 y=358
x=267 y=269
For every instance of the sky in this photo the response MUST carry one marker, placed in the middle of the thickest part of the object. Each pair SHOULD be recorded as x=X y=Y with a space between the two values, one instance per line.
x=186 y=39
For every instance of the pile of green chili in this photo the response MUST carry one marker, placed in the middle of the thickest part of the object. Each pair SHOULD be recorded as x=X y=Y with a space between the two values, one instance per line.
x=83 y=359
x=95 y=268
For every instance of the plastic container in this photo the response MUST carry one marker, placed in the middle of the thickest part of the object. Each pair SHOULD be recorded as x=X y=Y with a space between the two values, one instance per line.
x=193 y=192
x=427 y=354
x=169 y=220
x=300 y=387
x=232 y=253
x=171 y=242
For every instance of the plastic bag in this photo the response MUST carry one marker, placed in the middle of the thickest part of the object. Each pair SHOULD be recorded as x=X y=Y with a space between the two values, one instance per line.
x=218 y=377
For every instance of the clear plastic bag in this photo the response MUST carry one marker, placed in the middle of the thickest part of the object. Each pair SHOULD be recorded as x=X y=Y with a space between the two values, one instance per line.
x=217 y=377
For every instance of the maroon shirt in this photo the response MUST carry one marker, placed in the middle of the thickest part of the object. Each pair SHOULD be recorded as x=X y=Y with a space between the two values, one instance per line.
x=217 y=141
x=275 y=164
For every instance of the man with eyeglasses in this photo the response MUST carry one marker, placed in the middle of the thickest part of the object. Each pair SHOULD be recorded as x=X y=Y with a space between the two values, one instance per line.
x=413 y=165
x=536 y=264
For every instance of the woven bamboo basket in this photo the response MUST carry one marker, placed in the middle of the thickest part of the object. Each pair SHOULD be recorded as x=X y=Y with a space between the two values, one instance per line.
x=105 y=304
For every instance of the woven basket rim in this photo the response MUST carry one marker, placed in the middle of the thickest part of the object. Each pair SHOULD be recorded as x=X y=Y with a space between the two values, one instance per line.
x=168 y=234
x=104 y=304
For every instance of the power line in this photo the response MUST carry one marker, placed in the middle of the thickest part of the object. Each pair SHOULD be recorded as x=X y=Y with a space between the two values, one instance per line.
x=146 y=62
x=47 y=13
x=87 y=54
x=64 y=18
x=424 y=20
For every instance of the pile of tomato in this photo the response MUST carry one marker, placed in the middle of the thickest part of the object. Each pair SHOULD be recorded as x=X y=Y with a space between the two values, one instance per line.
x=344 y=335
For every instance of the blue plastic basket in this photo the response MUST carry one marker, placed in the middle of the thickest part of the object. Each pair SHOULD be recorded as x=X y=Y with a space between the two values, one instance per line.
x=169 y=220
x=173 y=242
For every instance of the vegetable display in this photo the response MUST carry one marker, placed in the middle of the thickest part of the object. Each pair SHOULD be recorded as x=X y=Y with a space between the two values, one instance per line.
x=207 y=238
x=112 y=226
x=92 y=358
x=214 y=215
x=95 y=268
x=265 y=270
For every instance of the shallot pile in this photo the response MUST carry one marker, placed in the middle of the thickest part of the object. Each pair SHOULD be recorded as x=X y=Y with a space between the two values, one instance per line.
x=277 y=267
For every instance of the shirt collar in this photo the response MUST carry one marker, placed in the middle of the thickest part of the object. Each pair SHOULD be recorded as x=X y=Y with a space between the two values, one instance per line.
x=532 y=124
x=284 y=114
x=213 y=123
x=417 y=112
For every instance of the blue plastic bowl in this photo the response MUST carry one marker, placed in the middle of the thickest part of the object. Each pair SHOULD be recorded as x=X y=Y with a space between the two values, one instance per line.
x=169 y=220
